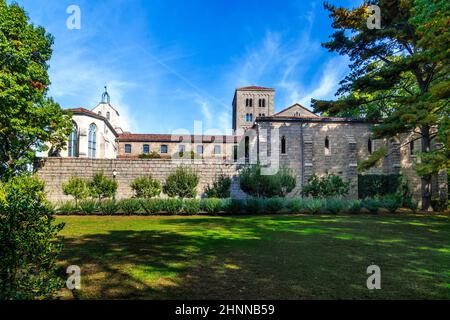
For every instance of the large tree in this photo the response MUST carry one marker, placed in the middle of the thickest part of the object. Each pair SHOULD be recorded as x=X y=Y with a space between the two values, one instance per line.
x=29 y=119
x=399 y=74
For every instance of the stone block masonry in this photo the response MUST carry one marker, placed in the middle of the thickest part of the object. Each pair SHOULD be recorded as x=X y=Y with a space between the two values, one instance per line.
x=56 y=171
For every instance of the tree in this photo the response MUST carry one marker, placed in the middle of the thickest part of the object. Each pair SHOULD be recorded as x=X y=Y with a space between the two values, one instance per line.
x=29 y=242
x=329 y=186
x=77 y=188
x=29 y=120
x=146 y=187
x=401 y=70
x=182 y=183
x=102 y=187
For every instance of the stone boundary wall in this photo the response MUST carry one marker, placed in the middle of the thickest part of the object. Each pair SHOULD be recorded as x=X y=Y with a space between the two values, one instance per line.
x=56 y=171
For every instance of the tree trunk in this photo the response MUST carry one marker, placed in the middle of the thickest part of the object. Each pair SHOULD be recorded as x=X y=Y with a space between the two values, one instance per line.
x=426 y=180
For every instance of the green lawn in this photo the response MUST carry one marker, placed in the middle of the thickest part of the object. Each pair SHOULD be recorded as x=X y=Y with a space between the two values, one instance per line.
x=259 y=257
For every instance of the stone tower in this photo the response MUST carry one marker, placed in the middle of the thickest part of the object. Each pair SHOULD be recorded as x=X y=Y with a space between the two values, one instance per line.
x=250 y=103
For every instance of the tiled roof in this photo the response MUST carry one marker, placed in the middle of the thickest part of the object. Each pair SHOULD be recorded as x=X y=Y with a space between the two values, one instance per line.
x=138 y=137
x=255 y=88
x=312 y=119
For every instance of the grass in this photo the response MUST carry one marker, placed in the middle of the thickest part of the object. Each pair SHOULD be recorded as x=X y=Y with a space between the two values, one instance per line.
x=259 y=257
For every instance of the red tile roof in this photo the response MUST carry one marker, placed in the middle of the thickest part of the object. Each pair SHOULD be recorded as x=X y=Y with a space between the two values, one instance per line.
x=139 y=137
x=255 y=88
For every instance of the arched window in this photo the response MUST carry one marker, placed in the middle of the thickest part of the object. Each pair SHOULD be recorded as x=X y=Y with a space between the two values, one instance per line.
x=247 y=149
x=369 y=146
x=411 y=147
x=73 y=142
x=108 y=115
x=327 y=146
x=92 y=142
x=283 y=145
x=262 y=103
x=99 y=113
x=250 y=102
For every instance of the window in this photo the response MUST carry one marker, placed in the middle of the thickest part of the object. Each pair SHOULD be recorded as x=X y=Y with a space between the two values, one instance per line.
x=146 y=149
x=235 y=153
x=247 y=149
x=92 y=141
x=199 y=149
x=99 y=113
x=248 y=102
x=262 y=103
x=164 y=148
x=181 y=148
x=217 y=149
x=108 y=115
x=327 y=146
x=283 y=145
x=411 y=147
x=369 y=146
x=128 y=148
x=72 y=148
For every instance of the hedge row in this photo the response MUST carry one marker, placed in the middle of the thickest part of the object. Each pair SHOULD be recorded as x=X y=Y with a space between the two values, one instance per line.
x=214 y=206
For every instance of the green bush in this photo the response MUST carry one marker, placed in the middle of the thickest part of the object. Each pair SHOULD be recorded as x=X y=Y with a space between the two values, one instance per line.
x=29 y=241
x=211 y=205
x=296 y=205
x=354 y=206
x=329 y=186
x=151 y=155
x=373 y=205
x=391 y=203
x=191 y=206
x=220 y=188
x=233 y=206
x=334 y=206
x=377 y=185
x=182 y=183
x=146 y=187
x=274 y=205
x=77 y=188
x=254 y=206
x=67 y=207
x=254 y=183
x=109 y=207
x=130 y=206
x=89 y=206
x=102 y=187
x=314 y=205
x=152 y=206
x=172 y=205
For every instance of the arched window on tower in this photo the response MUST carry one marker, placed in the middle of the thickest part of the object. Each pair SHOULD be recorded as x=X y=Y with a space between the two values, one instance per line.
x=327 y=146
x=411 y=147
x=108 y=115
x=283 y=145
x=247 y=149
x=92 y=141
x=369 y=146
x=73 y=142
x=99 y=113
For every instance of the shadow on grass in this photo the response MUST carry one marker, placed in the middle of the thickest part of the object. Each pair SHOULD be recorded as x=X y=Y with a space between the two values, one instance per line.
x=274 y=257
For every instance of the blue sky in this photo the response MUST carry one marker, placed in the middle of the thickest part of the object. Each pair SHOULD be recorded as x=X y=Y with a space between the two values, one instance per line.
x=169 y=63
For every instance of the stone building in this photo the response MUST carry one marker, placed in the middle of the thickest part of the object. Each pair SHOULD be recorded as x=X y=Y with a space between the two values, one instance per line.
x=293 y=137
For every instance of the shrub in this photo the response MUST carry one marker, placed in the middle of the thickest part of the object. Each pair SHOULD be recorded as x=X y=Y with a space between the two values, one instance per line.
x=146 y=187
x=182 y=183
x=109 y=207
x=67 y=207
x=373 y=205
x=151 y=155
x=296 y=205
x=273 y=205
x=334 y=206
x=354 y=206
x=29 y=241
x=328 y=186
x=191 y=155
x=376 y=185
x=102 y=187
x=130 y=206
x=89 y=206
x=220 y=188
x=391 y=203
x=254 y=206
x=314 y=205
x=211 y=205
x=254 y=183
x=233 y=206
x=172 y=205
x=191 y=206
x=152 y=206
x=77 y=188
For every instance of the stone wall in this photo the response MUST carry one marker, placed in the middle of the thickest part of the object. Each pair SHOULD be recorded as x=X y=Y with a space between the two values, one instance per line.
x=56 y=171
